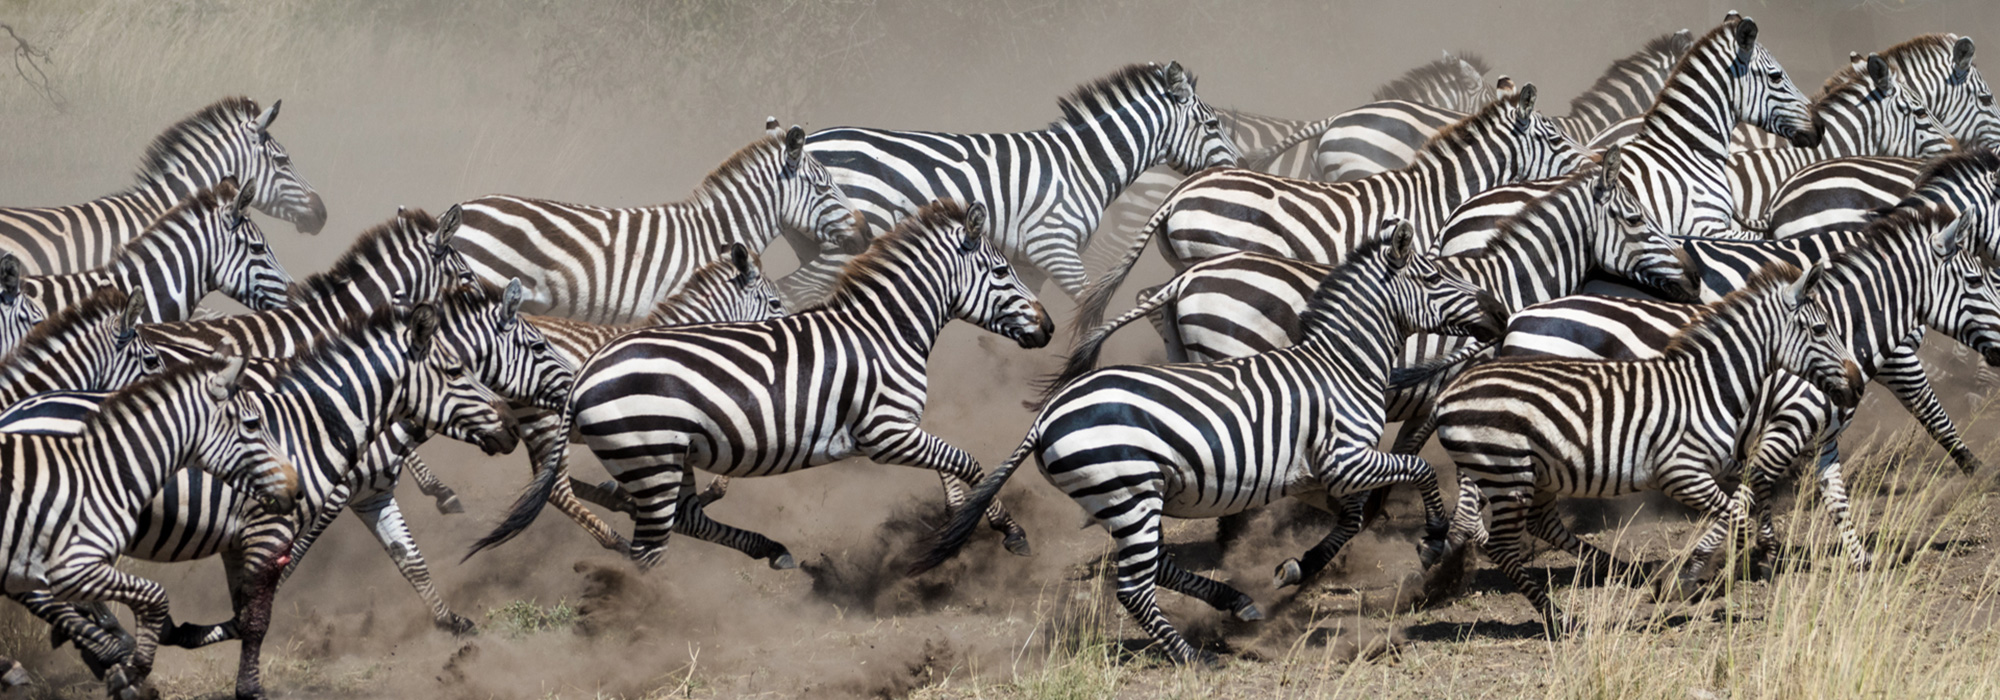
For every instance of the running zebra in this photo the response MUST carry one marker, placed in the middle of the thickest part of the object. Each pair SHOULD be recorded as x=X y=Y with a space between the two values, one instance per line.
x=19 y=313
x=608 y=265
x=322 y=409
x=205 y=243
x=1862 y=111
x=1385 y=135
x=72 y=501
x=1134 y=443
x=1882 y=287
x=230 y=138
x=1527 y=432
x=1226 y=210
x=91 y=346
x=846 y=378
x=1046 y=190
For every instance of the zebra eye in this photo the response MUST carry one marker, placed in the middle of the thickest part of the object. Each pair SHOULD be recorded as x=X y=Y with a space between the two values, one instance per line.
x=259 y=249
x=152 y=362
x=1634 y=220
x=1975 y=282
x=1000 y=272
x=454 y=371
x=252 y=423
x=1986 y=99
x=1819 y=329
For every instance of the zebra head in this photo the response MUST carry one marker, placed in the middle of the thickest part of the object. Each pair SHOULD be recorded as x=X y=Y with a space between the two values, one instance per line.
x=727 y=290
x=440 y=394
x=133 y=357
x=1193 y=138
x=1961 y=301
x=1423 y=299
x=1806 y=346
x=511 y=356
x=809 y=201
x=1866 y=106
x=18 y=312
x=240 y=262
x=233 y=444
x=266 y=168
x=1625 y=240
x=985 y=290
x=1540 y=149
x=1938 y=69
x=1761 y=90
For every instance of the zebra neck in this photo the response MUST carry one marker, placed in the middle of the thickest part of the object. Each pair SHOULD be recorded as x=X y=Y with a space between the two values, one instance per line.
x=1882 y=298
x=57 y=363
x=160 y=189
x=1580 y=127
x=1435 y=183
x=1528 y=263
x=350 y=397
x=172 y=284
x=1693 y=113
x=135 y=446
x=1357 y=342
x=1732 y=356
x=891 y=302
x=743 y=207
x=1102 y=165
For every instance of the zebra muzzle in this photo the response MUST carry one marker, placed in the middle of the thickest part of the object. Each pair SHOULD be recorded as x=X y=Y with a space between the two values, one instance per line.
x=1991 y=355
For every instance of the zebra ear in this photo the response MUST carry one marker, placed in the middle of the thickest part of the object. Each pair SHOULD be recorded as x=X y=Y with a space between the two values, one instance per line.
x=1746 y=37
x=975 y=227
x=128 y=320
x=1505 y=87
x=1180 y=86
x=423 y=328
x=241 y=205
x=1402 y=245
x=1467 y=73
x=746 y=269
x=448 y=224
x=10 y=274
x=270 y=114
x=1961 y=56
x=1524 y=102
x=795 y=148
x=1800 y=291
x=1878 y=71
x=1946 y=241
x=512 y=296
x=223 y=384
x=1607 y=167
x=771 y=127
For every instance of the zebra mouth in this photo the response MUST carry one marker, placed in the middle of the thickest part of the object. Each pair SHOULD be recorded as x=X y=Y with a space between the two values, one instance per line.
x=1809 y=137
x=313 y=218
x=1030 y=333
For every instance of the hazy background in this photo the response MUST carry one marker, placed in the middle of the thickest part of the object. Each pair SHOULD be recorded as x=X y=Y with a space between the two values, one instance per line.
x=629 y=102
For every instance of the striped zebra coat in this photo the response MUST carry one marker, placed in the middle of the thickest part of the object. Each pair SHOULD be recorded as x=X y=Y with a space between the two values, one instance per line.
x=1527 y=432
x=1226 y=210
x=73 y=502
x=846 y=378
x=205 y=243
x=613 y=265
x=230 y=138
x=1047 y=190
x=1132 y=444
x=1882 y=287
x=323 y=409
x=19 y=313
x=91 y=346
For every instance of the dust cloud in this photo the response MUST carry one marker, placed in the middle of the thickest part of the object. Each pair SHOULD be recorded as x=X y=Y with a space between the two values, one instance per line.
x=630 y=102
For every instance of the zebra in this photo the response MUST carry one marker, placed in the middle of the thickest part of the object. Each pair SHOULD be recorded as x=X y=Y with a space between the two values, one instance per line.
x=323 y=408
x=845 y=378
x=1938 y=69
x=1133 y=443
x=19 y=313
x=1047 y=190
x=1525 y=432
x=1883 y=285
x=406 y=260
x=614 y=265
x=230 y=138
x=1384 y=135
x=1225 y=210
x=204 y=243
x=1401 y=115
x=1861 y=111
x=90 y=346
x=73 y=501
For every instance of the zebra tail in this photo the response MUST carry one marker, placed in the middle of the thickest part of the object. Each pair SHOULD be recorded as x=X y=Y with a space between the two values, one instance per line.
x=1090 y=309
x=1083 y=358
x=1259 y=159
x=965 y=520
x=1406 y=377
x=529 y=504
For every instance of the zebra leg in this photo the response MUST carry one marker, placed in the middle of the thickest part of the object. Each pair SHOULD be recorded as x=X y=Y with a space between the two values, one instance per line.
x=608 y=495
x=1833 y=490
x=1136 y=530
x=91 y=577
x=545 y=432
x=384 y=517
x=195 y=636
x=1507 y=545
x=694 y=522
x=895 y=439
x=1545 y=522
x=1688 y=480
x=1056 y=252
x=1903 y=372
x=1216 y=594
x=430 y=485
x=91 y=626
x=655 y=481
x=253 y=619
x=1346 y=525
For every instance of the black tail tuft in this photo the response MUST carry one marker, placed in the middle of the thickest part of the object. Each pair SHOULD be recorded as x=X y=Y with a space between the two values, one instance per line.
x=965 y=520
x=529 y=504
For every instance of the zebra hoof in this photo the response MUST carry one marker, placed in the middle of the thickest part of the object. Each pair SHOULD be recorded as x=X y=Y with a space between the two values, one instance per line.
x=15 y=677
x=448 y=503
x=458 y=625
x=1207 y=659
x=784 y=562
x=125 y=683
x=1289 y=574
x=1017 y=543
x=1248 y=612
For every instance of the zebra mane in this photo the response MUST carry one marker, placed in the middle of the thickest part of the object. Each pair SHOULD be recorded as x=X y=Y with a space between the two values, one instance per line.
x=1443 y=70
x=717 y=273
x=219 y=116
x=141 y=396
x=1847 y=77
x=367 y=247
x=1519 y=225
x=931 y=221
x=1709 y=319
x=1963 y=163
x=1670 y=46
x=1924 y=46
x=354 y=330
x=1137 y=78
x=1332 y=291
x=59 y=330
x=1879 y=238
x=1464 y=130
x=1721 y=32
x=743 y=161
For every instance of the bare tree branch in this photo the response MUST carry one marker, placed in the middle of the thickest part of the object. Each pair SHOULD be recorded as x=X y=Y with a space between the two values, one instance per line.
x=28 y=59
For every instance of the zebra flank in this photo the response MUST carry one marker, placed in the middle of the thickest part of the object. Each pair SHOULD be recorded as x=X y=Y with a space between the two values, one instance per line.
x=229 y=138
x=205 y=243
x=90 y=346
x=613 y=265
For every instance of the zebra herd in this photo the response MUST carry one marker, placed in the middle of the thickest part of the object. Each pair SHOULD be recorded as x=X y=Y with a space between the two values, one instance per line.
x=1420 y=260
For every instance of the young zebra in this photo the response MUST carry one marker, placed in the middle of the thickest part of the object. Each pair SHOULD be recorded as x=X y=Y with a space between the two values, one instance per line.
x=1047 y=190
x=323 y=408
x=1862 y=111
x=1226 y=209
x=610 y=265
x=404 y=261
x=230 y=138
x=1385 y=135
x=1882 y=287
x=91 y=346
x=205 y=243
x=19 y=313
x=73 y=501
x=1132 y=444
x=845 y=378
x=1526 y=432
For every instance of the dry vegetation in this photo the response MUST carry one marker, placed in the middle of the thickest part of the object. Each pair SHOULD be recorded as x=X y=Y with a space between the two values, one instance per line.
x=629 y=102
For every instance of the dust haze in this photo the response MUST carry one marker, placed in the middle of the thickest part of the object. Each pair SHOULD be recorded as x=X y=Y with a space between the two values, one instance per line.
x=626 y=103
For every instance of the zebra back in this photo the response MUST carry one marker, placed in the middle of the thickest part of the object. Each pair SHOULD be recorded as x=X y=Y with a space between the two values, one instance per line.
x=19 y=313
x=229 y=138
x=1938 y=69
x=1455 y=82
x=91 y=346
x=1626 y=89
